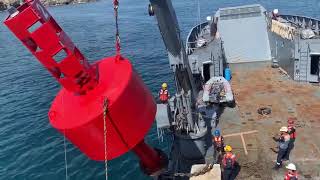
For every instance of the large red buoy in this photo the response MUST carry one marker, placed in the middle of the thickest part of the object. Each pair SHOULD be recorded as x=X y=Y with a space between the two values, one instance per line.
x=77 y=111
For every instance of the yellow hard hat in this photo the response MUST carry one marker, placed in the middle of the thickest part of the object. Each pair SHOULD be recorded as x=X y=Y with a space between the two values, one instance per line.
x=164 y=85
x=227 y=148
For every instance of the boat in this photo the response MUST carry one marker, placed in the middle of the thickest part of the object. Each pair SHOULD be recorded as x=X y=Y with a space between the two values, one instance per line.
x=217 y=90
x=274 y=60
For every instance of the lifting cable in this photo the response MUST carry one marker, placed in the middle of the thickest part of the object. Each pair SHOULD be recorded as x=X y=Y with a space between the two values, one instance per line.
x=116 y=7
x=105 y=102
x=199 y=14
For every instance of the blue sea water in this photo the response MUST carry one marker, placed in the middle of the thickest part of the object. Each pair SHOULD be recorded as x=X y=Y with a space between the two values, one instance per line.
x=30 y=149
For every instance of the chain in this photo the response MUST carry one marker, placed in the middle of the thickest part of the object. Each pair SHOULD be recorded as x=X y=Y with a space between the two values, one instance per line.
x=116 y=7
x=204 y=170
x=105 y=111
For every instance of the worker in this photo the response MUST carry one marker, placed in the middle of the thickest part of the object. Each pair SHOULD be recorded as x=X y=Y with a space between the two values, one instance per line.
x=218 y=141
x=164 y=93
x=292 y=133
x=283 y=142
x=291 y=173
x=275 y=14
x=228 y=162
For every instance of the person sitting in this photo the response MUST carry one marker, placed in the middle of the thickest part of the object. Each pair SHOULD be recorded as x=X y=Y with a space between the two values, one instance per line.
x=164 y=93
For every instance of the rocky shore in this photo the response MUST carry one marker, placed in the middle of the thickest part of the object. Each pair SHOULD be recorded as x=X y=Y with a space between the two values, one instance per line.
x=4 y=4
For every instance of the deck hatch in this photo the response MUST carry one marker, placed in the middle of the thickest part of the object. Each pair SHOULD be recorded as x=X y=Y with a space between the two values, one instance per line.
x=238 y=13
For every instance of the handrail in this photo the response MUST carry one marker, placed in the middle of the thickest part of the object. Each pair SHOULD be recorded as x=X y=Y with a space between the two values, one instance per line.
x=305 y=17
x=303 y=20
x=193 y=36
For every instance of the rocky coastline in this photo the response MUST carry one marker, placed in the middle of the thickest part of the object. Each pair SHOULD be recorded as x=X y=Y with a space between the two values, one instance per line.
x=5 y=4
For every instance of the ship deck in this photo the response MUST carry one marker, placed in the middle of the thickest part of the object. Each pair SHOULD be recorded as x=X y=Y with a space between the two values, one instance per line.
x=257 y=85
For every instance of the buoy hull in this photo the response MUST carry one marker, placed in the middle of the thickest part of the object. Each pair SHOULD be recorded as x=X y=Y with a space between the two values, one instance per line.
x=131 y=111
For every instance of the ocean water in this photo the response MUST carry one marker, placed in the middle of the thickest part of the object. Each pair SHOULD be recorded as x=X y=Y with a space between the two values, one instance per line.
x=30 y=149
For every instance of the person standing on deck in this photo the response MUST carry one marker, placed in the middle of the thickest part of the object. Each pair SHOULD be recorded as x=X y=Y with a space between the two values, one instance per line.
x=275 y=14
x=228 y=162
x=218 y=141
x=292 y=133
x=283 y=143
x=291 y=173
x=164 y=93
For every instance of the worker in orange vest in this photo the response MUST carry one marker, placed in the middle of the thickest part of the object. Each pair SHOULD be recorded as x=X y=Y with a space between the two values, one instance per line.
x=228 y=162
x=218 y=141
x=291 y=173
x=292 y=133
x=164 y=93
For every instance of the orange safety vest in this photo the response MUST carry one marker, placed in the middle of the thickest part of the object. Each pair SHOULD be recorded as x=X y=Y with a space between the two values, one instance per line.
x=292 y=132
x=290 y=176
x=229 y=160
x=164 y=95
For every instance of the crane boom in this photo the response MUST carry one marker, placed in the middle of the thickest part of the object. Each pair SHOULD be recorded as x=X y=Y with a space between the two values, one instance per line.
x=170 y=31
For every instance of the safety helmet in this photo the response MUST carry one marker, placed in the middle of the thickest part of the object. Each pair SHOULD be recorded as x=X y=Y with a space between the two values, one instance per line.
x=227 y=148
x=164 y=85
x=275 y=11
x=291 y=166
x=284 y=129
x=290 y=120
x=217 y=132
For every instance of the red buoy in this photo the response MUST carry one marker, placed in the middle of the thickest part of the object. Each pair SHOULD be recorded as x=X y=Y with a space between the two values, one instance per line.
x=77 y=111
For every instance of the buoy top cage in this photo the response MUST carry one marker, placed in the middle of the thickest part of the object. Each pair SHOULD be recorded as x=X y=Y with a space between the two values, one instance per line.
x=46 y=40
x=77 y=110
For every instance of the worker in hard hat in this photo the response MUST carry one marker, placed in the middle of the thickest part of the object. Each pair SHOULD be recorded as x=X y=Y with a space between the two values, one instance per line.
x=292 y=133
x=291 y=173
x=164 y=93
x=228 y=162
x=275 y=14
x=283 y=142
x=218 y=141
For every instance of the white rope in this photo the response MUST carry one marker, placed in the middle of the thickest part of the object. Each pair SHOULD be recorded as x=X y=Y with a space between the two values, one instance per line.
x=65 y=156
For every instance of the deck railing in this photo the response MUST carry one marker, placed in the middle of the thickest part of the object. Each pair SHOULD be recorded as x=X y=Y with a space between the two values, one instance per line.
x=192 y=37
x=303 y=22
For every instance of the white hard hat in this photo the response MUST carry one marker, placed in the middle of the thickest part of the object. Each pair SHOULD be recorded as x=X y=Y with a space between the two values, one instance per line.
x=209 y=18
x=284 y=129
x=291 y=166
x=275 y=11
